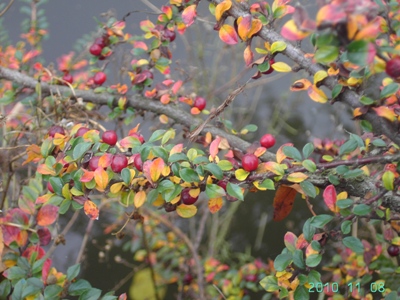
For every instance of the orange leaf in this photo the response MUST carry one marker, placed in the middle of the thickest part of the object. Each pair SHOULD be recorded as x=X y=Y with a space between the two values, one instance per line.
x=292 y=33
x=34 y=154
x=105 y=160
x=176 y=149
x=156 y=168
x=273 y=167
x=248 y=56
x=47 y=215
x=214 y=147
x=87 y=176
x=43 y=199
x=228 y=34
x=260 y=151
x=333 y=13
x=215 y=204
x=186 y=211
x=101 y=179
x=221 y=8
x=279 y=154
x=91 y=210
x=283 y=202
x=330 y=197
x=189 y=14
x=385 y=112
x=300 y=85
x=244 y=26
x=316 y=94
x=45 y=170
x=139 y=199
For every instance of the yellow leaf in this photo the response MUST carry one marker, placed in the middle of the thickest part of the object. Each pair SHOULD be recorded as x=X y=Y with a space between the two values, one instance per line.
x=142 y=286
x=319 y=76
x=116 y=187
x=278 y=46
x=297 y=177
x=186 y=211
x=159 y=201
x=139 y=199
x=317 y=95
x=221 y=8
x=241 y=174
x=257 y=185
x=101 y=179
x=281 y=67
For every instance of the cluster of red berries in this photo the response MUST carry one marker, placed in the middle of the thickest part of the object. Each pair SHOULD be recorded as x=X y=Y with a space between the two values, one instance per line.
x=97 y=47
x=249 y=160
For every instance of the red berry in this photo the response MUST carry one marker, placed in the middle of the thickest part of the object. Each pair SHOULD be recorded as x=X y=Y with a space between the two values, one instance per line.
x=393 y=250
x=270 y=70
x=95 y=49
x=102 y=41
x=267 y=140
x=81 y=131
x=186 y=198
x=393 y=67
x=56 y=129
x=251 y=277
x=249 y=162
x=68 y=78
x=200 y=103
x=110 y=137
x=222 y=184
x=137 y=162
x=94 y=163
x=187 y=279
x=169 y=35
x=99 y=78
x=49 y=187
x=118 y=163
x=138 y=136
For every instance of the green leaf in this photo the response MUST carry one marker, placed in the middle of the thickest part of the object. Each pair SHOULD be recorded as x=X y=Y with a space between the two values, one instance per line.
x=379 y=143
x=225 y=165
x=152 y=196
x=308 y=149
x=348 y=147
x=298 y=259
x=57 y=185
x=80 y=150
x=292 y=153
x=5 y=289
x=189 y=175
x=250 y=128
x=314 y=277
x=73 y=271
x=126 y=176
x=270 y=283
x=278 y=46
x=282 y=261
x=342 y=170
x=389 y=90
x=346 y=227
x=344 y=203
x=326 y=54
x=214 y=191
x=15 y=273
x=215 y=170
x=337 y=89
x=157 y=135
x=91 y=294
x=353 y=174
x=177 y=157
x=361 y=210
x=301 y=293
x=313 y=260
x=366 y=125
x=366 y=100
x=268 y=184
x=77 y=288
x=308 y=230
x=308 y=188
x=388 y=180
x=309 y=165
x=321 y=220
x=354 y=244
x=234 y=190
x=52 y=291
x=357 y=52
x=333 y=179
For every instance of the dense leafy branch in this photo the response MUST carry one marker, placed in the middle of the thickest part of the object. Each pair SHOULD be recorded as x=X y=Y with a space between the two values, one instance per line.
x=350 y=97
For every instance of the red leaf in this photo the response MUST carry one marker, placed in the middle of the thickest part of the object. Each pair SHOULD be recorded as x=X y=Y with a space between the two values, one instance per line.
x=214 y=147
x=228 y=35
x=44 y=236
x=330 y=197
x=47 y=215
x=189 y=14
x=248 y=56
x=46 y=269
x=283 y=202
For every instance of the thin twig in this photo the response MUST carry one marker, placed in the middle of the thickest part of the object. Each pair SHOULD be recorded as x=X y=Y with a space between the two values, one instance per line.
x=180 y=234
x=6 y=8
x=193 y=135
x=202 y=225
x=84 y=241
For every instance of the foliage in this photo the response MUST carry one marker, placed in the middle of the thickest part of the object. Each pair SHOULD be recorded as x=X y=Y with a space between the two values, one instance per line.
x=55 y=118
